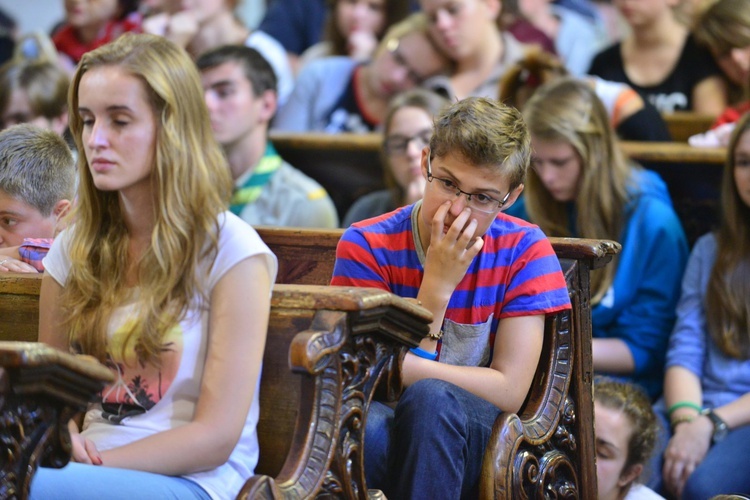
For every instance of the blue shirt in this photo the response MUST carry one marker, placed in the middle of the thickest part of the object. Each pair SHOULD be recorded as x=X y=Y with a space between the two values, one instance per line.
x=723 y=379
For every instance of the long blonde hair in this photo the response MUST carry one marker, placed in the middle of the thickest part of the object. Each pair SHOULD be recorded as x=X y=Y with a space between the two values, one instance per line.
x=728 y=294
x=191 y=185
x=568 y=110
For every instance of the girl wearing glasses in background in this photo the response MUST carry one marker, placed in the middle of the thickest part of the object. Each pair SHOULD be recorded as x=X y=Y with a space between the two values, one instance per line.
x=582 y=186
x=338 y=94
x=407 y=130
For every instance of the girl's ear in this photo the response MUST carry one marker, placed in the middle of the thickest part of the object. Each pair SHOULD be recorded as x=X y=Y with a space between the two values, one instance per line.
x=629 y=475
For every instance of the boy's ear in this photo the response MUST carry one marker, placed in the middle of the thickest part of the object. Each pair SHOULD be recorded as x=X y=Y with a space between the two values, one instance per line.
x=269 y=105
x=513 y=196
x=61 y=209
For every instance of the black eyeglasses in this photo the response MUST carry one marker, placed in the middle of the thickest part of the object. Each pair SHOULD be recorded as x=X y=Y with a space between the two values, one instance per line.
x=476 y=201
x=397 y=144
x=392 y=48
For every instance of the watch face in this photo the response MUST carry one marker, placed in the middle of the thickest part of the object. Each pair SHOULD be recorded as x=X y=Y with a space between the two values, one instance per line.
x=720 y=432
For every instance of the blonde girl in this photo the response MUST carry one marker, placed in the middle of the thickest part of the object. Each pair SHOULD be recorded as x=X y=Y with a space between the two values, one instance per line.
x=155 y=279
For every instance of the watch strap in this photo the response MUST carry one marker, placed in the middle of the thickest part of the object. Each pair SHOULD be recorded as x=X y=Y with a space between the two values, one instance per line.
x=720 y=427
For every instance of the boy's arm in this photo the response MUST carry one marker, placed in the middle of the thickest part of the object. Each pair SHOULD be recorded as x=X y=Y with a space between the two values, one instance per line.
x=33 y=250
x=10 y=261
x=505 y=383
x=519 y=336
x=446 y=261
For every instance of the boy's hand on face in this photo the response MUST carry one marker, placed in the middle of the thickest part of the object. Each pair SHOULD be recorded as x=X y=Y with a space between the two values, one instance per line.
x=451 y=251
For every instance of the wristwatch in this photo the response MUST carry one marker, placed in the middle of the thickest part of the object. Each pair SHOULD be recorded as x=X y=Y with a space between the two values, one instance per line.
x=721 y=429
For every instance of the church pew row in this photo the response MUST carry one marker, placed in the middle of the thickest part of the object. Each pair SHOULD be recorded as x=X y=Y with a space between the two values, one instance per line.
x=331 y=349
x=683 y=124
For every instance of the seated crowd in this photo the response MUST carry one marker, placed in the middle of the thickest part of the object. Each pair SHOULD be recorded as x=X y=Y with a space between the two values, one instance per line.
x=137 y=153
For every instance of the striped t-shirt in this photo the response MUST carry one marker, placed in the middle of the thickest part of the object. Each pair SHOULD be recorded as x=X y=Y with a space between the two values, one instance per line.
x=515 y=274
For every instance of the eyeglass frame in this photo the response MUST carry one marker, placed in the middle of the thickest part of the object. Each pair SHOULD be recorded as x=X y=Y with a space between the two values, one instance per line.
x=407 y=141
x=392 y=48
x=430 y=177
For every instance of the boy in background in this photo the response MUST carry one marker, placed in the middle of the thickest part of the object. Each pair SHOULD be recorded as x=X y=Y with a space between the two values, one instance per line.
x=240 y=92
x=37 y=180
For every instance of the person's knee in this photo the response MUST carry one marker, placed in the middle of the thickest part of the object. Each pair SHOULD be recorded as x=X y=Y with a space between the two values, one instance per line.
x=430 y=403
x=700 y=486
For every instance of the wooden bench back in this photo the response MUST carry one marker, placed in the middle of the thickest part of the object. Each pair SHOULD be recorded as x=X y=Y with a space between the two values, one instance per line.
x=683 y=124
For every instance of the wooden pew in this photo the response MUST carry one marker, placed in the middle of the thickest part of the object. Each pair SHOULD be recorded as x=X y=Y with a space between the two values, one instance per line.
x=553 y=432
x=342 y=345
x=683 y=124
x=693 y=176
x=40 y=390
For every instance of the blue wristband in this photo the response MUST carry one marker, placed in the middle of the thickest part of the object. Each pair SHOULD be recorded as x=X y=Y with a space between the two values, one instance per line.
x=432 y=356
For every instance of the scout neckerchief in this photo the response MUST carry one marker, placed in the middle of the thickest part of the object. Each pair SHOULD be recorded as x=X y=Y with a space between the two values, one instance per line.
x=253 y=186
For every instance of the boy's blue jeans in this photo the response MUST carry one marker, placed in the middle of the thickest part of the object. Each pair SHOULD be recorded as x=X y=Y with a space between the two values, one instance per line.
x=80 y=482
x=431 y=446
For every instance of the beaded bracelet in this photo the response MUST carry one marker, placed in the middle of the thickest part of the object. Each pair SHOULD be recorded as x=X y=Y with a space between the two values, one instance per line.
x=682 y=419
x=683 y=404
x=432 y=356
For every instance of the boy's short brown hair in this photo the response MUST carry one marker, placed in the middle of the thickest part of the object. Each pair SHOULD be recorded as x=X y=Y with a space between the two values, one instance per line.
x=485 y=133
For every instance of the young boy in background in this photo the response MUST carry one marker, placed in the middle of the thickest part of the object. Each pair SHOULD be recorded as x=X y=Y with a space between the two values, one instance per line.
x=37 y=179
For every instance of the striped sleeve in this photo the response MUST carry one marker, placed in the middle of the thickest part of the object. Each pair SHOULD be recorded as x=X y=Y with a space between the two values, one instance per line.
x=536 y=283
x=355 y=262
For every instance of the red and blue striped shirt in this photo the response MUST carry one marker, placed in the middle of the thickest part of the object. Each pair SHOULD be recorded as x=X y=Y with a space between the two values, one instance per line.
x=515 y=274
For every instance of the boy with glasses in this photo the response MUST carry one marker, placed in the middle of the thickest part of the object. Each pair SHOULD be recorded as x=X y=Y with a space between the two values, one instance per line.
x=489 y=280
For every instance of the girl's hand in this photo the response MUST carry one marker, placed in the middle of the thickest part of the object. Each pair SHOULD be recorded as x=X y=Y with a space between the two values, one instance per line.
x=179 y=28
x=686 y=449
x=182 y=28
x=84 y=450
x=361 y=45
x=450 y=253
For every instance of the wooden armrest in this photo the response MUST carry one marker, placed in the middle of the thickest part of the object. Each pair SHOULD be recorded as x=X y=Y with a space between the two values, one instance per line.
x=547 y=449
x=595 y=253
x=41 y=389
x=342 y=344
